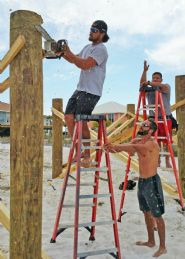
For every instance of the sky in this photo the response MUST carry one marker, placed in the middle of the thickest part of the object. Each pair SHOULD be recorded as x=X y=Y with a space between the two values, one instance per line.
x=139 y=30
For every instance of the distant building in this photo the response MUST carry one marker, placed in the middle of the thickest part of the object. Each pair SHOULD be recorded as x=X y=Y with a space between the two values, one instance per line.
x=4 y=113
x=112 y=110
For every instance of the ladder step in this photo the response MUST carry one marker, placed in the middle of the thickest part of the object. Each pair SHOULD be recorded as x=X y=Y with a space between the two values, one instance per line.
x=90 y=140
x=161 y=137
x=94 y=117
x=151 y=105
x=80 y=205
x=81 y=184
x=89 y=224
x=97 y=252
x=166 y=169
x=164 y=153
x=90 y=147
x=87 y=196
x=95 y=169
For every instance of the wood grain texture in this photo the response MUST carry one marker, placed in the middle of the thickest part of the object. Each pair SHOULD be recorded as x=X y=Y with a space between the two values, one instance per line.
x=26 y=140
x=180 y=111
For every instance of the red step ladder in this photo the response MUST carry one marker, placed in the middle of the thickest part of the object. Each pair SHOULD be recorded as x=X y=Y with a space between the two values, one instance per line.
x=77 y=142
x=158 y=105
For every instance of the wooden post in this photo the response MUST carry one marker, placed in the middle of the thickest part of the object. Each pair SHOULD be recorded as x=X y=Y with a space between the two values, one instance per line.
x=131 y=108
x=57 y=137
x=26 y=139
x=180 y=95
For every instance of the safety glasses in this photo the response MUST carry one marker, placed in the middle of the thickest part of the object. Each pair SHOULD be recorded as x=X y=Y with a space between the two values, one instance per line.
x=94 y=30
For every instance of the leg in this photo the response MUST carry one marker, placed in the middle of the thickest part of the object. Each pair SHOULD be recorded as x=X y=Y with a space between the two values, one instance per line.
x=149 y=225
x=69 y=119
x=70 y=122
x=161 y=231
x=86 y=135
x=86 y=162
x=167 y=160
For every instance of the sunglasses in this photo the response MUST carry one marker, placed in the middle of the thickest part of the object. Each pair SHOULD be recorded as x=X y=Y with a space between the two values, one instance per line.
x=94 y=30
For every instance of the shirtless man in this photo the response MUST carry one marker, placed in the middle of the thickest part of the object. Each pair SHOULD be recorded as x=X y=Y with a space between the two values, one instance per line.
x=150 y=194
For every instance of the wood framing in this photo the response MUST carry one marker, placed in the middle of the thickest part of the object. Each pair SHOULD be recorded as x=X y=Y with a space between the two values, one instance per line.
x=57 y=137
x=4 y=85
x=16 y=46
x=180 y=111
x=58 y=113
x=2 y=256
x=5 y=221
x=26 y=139
x=4 y=216
x=131 y=108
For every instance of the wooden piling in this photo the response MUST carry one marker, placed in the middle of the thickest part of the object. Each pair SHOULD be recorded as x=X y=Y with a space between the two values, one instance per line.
x=180 y=112
x=131 y=108
x=57 y=139
x=26 y=140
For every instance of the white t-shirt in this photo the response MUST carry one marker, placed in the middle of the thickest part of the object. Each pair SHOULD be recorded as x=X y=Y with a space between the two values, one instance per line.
x=91 y=80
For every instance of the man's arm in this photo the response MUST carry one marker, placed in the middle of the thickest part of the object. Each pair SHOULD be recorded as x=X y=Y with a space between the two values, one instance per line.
x=164 y=88
x=143 y=78
x=130 y=148
x=84 y=64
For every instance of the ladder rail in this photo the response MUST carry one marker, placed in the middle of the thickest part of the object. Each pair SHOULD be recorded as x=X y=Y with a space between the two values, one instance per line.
x=96 y=181
x=76 y=219
x=60 y=206
x=111 y=191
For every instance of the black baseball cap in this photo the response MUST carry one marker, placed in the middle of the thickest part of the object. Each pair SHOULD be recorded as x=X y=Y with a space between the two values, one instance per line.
x=102 y=27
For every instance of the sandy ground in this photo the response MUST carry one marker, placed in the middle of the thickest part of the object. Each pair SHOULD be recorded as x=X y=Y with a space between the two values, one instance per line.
x=131 y=229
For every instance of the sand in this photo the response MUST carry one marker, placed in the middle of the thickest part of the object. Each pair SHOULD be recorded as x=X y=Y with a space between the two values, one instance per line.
x=131 y=229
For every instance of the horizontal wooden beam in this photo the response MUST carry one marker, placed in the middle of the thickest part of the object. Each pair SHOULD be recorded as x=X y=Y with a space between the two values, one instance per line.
x=4 y=85
x=14 y=50
x=177 y=105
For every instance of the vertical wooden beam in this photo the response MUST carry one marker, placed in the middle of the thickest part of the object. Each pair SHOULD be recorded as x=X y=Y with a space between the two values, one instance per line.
x=180 y=95
x=26 y=139
x=57 y=134
x=131 y=108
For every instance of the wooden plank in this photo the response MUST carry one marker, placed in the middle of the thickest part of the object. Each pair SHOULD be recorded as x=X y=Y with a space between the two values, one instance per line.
x=57 y=138
x=5 y=221
x=4 y=85
x=4 y=216
x=2 y=256
x=117 y=132
x=26 y=140
x=177 y=105
x=116 y=123
x=18 y=44
x=59 y=114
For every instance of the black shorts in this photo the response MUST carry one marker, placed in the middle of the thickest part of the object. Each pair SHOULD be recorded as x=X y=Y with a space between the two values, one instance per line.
x=150 y=195
x=81 y=103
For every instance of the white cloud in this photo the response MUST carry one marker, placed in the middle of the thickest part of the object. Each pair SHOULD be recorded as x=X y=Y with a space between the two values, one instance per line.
x=170 y=54
x=126 y=20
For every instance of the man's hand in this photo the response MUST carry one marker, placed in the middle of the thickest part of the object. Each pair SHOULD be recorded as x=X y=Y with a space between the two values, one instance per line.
x=110 y=147
x=146 y=67
x=145 y=83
